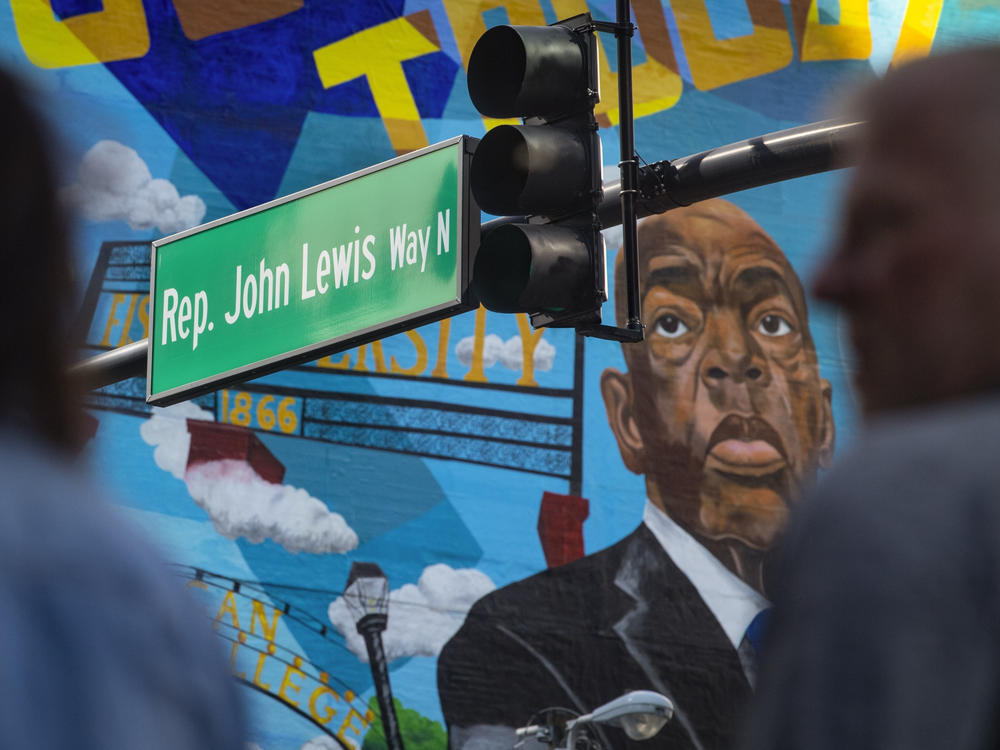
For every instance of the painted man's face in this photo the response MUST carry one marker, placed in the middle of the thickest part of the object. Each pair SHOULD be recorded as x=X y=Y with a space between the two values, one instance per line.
x=723 y=408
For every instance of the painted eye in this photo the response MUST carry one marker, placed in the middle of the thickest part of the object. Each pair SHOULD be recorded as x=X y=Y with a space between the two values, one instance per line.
x=671 y=326
x=773 y=325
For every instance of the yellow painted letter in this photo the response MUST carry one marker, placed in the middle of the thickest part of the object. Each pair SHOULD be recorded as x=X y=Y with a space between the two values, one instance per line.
x=117 y=32
x=655 y=83
x=420 y=365
x=261 y=658
x=229 y=607
x=441 y=364
x=851 y=39
x=529 y=342
x=116 y=300
x=286 y=682
x=328 y=711
x=397 y=40
x=919 y=26
x=348 y=725
x=258 y=615
x=476 y=373
x=716 y=62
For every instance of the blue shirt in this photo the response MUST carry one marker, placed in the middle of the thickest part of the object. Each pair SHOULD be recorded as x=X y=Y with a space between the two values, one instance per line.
x=100 y=647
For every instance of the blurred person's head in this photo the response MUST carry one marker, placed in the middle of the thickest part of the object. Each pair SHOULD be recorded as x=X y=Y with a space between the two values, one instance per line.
x=36 y=302
x=916 y=266
x=722 y=407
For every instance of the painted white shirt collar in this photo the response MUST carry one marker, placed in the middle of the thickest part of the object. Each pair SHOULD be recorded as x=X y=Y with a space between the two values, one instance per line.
x=733 y=602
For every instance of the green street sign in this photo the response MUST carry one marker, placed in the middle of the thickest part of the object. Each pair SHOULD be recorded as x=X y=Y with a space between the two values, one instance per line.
x=326 y=269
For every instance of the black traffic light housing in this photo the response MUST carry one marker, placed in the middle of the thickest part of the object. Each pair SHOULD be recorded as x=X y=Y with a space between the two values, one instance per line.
x=548 y=261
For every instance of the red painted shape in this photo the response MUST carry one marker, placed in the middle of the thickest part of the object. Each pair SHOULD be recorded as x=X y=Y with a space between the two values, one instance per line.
x=560 y=527
x=212 y=441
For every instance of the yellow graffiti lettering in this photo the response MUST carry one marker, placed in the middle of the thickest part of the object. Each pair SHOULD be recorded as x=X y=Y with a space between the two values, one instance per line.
x=134 y=302
x=529 y=342
x=656 y=85
x=286 y=682
x=259 y=615
x=144 y=316
x=113 y=320
x=232 y=661
x=125 y=339
x=421 y=363
x=228 y=607
x=351 y=714
x=261 y=658
x=476 y=373
x=851 y=39
x=917 y=34
x=327 y=362
x=378 y=358
x=117 y=32
x=717 y=62
x=328 y=711
x=400 y=39
x=441 y=364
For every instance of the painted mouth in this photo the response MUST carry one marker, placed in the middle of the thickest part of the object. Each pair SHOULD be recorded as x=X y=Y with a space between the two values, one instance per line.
x=745 y=446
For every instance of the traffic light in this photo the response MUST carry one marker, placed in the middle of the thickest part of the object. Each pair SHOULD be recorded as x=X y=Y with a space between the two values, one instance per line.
x=548 y=259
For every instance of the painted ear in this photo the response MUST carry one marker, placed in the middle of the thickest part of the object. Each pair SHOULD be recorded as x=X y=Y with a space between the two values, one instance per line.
x=616 y=387
x=827 y=430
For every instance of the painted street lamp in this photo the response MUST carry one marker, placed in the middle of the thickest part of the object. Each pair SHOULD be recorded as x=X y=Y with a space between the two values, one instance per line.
x=367 y=598
x=641 y=713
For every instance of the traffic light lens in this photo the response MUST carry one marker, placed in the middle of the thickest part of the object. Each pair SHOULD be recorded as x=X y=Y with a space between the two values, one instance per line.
x=528 y=71
x=525 y=169
x=499 y=170
x=496 y=72
x=531 y=267
x=502 y=269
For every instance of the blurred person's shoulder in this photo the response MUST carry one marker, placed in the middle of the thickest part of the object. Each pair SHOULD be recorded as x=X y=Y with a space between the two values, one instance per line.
x=59 y=529
x=74 y=570
x=53 y=513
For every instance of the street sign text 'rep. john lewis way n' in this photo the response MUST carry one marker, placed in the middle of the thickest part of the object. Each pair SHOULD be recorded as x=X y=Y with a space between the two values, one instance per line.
x=331 y=267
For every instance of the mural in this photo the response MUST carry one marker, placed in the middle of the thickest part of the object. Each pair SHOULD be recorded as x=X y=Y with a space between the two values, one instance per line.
x=723 y=410
x=559 y=519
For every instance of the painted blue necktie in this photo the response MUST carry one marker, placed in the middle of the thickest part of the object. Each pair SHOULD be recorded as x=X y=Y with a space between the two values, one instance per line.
x=756 y=629
x=753 y=639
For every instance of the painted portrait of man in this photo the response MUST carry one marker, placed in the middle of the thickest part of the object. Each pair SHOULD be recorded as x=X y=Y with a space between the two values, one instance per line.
x=723 y=411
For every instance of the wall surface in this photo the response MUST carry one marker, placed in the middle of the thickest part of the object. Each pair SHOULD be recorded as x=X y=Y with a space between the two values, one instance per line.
x=468 y=455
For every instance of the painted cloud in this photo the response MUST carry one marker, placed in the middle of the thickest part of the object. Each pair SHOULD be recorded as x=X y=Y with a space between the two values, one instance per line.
x=508 y=353
x=240 y=503
x=114 y=184
x=422 y=618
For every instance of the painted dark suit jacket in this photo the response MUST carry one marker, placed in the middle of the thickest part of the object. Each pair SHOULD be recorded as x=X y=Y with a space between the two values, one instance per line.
x=579 y=635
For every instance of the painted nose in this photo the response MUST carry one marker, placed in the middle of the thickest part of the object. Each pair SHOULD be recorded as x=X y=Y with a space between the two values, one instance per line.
x=735 y=358
x=718 y=373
